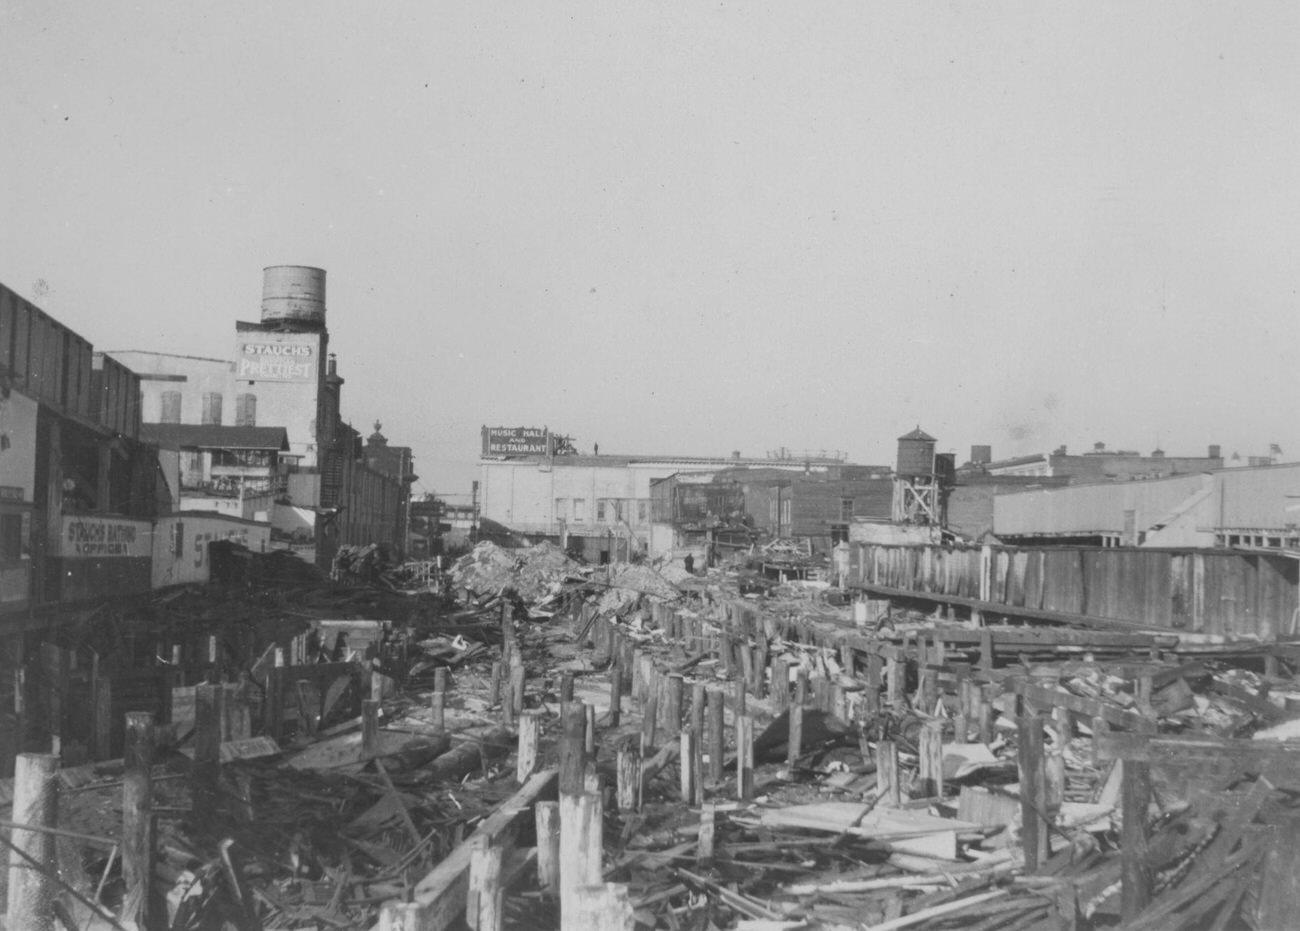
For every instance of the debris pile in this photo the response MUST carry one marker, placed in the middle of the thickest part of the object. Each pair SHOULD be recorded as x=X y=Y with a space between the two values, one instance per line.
x=730 y=755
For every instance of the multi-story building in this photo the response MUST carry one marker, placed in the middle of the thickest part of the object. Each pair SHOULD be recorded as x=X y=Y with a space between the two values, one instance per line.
x=282 y=374
x=1098 y=464
x=78 y=490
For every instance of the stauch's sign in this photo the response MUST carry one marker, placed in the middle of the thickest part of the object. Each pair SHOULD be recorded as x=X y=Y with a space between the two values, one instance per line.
x=96 y=537
x=516 y=441
x=273 y=361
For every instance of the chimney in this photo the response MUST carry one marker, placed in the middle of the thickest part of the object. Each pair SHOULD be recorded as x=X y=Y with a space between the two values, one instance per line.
x=1215 y=451
x=981 y=455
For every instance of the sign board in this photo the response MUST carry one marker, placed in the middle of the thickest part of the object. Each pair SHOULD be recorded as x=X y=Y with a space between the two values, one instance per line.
x=276 y=361
x=516 y=441
x=99 y=537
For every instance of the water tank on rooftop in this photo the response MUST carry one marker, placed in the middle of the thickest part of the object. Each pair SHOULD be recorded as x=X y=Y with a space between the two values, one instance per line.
x=916 y=453
x=293 y=294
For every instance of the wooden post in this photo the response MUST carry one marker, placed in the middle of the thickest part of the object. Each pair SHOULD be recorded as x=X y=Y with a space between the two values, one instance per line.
x=483 y=902
x=650 y=712
x=207 y=750
x=494 y=684
x=687 y=760
x=236 y=713
x=437 y=710
x=369 y=728
x=606 y=906
x=1135 y=871
x=441 y=678
x=530 y=732
x=716 y=738
x=573 y=746
x=697 y=714
x=615 y=694
x=744 y=757
x=137 y=817
x=566 y=687
x=780 y=690
x=889 y=791
x=931 y=759
x=32 y=860
x=875 y=670
x=547 y=818
x=581 y=847
x=708 y=826
x=894 y=681
x=795 y=740
x=629 y=779
x=673 y=705
x=518 y=687
x=1033 y=792
x=742 y=705
x=589 y=734
x=987 y=655
x=273 y=710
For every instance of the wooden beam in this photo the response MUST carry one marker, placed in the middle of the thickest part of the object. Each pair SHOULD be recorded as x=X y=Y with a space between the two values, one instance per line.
x=442 y=894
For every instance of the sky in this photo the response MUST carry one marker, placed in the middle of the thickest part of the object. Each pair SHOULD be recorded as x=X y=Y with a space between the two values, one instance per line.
x=683 y=227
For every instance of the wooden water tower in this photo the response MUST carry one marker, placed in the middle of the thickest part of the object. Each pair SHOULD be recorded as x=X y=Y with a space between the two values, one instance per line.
x=916 y=487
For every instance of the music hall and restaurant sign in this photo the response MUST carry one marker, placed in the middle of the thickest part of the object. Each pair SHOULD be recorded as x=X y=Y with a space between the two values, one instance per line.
x=516 y=441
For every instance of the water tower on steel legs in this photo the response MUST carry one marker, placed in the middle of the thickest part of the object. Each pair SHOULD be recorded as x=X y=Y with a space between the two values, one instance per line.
x=916 y=486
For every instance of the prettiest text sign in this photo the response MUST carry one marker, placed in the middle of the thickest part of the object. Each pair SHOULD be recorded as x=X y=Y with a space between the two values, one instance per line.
x=266 y=361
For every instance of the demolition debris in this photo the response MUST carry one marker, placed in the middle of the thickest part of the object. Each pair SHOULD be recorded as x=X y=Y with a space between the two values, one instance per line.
x=525 y=741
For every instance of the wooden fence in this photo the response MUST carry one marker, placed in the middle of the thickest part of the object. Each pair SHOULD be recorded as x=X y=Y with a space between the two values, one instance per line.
x=1229 y=593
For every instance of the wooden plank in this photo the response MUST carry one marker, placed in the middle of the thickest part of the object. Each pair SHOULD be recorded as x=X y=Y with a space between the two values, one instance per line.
x=1043 y=697
x=1192 y=751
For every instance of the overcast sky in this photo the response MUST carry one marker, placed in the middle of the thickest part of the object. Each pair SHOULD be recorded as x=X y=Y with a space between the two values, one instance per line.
x=688 y=228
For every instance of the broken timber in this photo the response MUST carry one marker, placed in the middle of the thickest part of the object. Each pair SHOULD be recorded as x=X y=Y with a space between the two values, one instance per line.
x=439 y=899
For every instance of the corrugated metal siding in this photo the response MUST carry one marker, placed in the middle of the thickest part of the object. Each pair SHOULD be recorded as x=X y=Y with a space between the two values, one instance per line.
x=1200 y=591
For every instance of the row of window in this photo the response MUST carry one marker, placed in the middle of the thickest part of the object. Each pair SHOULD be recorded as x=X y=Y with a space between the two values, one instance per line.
x=245 y=409
x=608 y=510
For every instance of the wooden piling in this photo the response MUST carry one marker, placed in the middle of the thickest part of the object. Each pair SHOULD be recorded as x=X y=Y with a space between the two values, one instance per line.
x=547 y=820
x=1033 y=792
x=673 y=705
x=137 y=817
x=369 y=728
x=438 y=711
x=32 y=859
x=615 y=694
x=745 y=757
x=573 y=746
x=581 y=848
x=889 y=791
x=931 y=759
x=716 y=738
x=494 y=683
x=704 y=846
x=530 y=732
x=650 y=712
x=484 y=900
x=566 y=687
x=629 y=779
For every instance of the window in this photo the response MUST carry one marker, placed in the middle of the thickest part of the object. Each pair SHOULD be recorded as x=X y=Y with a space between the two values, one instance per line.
x=601 y=509
x=846 y=509
x=642 y=511
x=580 y=509
x=171 y=407
x=561 y=508
x=785 y=512
x=212 y=408
x=246 y=410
